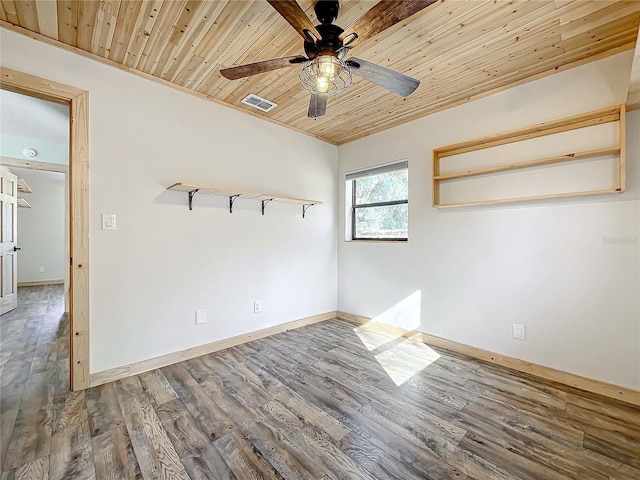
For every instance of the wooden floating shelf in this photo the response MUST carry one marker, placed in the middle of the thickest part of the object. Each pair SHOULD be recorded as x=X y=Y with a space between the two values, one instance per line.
x=530 y=198
x=598 y=117
x=531 y=163
x=233 y=194
x=21 y=202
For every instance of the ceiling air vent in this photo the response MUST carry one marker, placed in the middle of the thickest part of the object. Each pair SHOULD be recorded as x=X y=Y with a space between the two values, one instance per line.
x=258 y=102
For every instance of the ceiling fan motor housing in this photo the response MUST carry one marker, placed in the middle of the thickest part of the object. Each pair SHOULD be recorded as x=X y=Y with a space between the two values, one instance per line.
x=327 y=11
x=328 y=44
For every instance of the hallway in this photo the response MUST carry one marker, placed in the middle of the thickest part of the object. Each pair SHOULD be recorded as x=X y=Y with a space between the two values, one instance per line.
x=34 y=379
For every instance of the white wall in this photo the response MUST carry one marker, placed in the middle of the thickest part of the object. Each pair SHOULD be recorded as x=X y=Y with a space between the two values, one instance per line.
x=164 y=262
x=568 y=269
x=41 y=227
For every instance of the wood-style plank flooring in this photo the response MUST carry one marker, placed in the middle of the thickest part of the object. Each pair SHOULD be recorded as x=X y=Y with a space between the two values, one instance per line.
x=330 y=401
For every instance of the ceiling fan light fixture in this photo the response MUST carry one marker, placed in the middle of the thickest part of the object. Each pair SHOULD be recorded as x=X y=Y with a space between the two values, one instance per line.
x=325 y=75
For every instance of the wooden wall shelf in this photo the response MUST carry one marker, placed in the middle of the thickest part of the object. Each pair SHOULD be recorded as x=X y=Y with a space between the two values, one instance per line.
x=598 y=117
x=233 y=194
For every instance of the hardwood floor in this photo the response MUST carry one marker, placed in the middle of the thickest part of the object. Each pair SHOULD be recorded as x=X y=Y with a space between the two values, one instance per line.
x=330 y=401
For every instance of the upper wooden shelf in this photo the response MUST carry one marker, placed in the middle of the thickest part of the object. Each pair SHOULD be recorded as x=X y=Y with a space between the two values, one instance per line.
x=23 y=187
x=596 y=117
x=235 y=193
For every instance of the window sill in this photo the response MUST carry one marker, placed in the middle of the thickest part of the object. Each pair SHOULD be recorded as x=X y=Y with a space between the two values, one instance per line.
x=401 y=241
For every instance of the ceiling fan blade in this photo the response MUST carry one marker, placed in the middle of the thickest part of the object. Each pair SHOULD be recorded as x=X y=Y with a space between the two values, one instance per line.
x=391 y=80
x=293 y=13
x=241 y=71
x=384 y=15
x=317 y=106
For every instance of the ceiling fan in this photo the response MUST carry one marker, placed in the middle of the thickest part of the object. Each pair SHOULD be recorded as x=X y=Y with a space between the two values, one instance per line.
x=325 y=72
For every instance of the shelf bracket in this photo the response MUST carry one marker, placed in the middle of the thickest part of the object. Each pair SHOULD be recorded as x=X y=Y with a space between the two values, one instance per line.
x=306 y=207
x=264 y=203
x=192 y=194
x=232 y=199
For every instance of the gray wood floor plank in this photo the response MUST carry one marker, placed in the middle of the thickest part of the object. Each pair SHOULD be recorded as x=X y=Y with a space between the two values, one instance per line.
x=199 y=456
x=10 y=399
x=103 y=409
x=271 y=388
x=243 y=459
x=156 y=454
x=72 y=454
x=323 y=451
x=281 y=367
x=285 y=456
x=36 y=470
x=157 y=387
x=251 y=392
x=31 y=435
x=272 y=444
x=381 y=464
x=69 y=410
x=213 y=419
x=113 y=455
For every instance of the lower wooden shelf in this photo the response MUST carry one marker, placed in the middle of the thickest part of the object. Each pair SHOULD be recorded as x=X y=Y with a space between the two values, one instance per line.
x=530 y=198
x=23 y=203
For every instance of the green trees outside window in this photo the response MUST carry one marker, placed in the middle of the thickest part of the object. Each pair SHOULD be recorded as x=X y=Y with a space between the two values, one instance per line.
x=380 y=205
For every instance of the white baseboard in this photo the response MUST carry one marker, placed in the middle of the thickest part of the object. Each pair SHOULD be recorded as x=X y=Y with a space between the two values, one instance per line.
x=572 y=380
x=125 y=371
x=39 y=283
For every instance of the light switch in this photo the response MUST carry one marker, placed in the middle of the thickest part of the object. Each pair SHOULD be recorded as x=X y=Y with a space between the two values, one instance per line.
x=108 y=221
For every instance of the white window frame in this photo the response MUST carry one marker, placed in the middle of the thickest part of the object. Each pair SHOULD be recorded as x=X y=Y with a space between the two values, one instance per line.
x=350 y=208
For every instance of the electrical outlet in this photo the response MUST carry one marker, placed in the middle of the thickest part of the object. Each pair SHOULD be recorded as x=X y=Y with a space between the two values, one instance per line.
x=257 y=306
x=201 y=316
x=41 y=270
x=518 y=331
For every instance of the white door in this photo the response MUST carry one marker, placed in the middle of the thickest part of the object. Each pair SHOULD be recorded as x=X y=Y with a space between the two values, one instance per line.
x=8 y=239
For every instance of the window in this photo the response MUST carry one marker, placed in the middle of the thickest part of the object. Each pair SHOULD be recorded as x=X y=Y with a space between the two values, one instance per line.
x=379 y=199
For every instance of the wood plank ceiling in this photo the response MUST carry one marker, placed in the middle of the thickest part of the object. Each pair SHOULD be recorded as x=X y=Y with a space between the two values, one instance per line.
x=458 y=49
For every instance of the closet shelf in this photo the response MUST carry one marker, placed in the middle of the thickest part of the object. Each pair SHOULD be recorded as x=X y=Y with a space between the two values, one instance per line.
x=22 y=203
x=23 y=186
x=234 y=193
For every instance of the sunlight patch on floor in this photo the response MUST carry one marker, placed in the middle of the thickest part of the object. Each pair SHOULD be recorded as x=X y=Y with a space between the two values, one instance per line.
x=404 y=315
x=405 y=359
x=405 y=353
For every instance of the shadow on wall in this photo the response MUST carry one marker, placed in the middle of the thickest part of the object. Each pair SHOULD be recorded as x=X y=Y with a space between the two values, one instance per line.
x=399 y=351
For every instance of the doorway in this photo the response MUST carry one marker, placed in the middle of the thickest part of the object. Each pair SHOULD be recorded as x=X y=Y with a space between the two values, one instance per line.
x=78 y=198
x=42 y=225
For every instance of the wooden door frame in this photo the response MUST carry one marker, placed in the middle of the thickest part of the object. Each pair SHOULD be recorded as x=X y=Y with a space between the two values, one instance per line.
x=78 y=102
